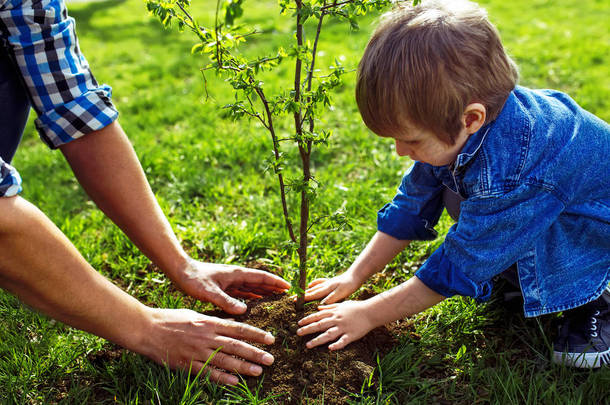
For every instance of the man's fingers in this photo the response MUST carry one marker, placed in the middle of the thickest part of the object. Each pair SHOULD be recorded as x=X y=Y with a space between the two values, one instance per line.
x=226 y=302
x=233 y=292
x=252 y=291
x=314 y=317
x=235 y=365
x=325 y=337
x=245 y=351
x=215 y=375
x=263 y=288
x=262 y=278
x=247 y=295
x=243 y=331
x=221 y=377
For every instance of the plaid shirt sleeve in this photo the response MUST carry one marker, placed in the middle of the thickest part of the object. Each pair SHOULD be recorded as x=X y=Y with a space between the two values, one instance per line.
x=42 y=40
x=10 y=181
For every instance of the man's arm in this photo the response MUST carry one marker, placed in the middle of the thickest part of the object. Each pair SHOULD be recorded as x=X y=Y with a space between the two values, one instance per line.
x=380 y=251
x=108 y=169
x=41 y=267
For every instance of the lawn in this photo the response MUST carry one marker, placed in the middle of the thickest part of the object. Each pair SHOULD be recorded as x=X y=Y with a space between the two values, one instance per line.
x=208 y=173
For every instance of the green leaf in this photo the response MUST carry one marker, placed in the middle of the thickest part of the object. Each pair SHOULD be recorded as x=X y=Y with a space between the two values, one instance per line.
x=233 y=11
x=460 y=353
x=197 y=48
x=353 y=24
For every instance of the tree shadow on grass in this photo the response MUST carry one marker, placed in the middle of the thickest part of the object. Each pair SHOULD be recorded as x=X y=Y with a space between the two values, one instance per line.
x=84 y=13
x=149 y=32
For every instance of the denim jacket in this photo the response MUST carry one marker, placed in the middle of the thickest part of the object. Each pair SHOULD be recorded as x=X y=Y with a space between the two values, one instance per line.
x=536 y=184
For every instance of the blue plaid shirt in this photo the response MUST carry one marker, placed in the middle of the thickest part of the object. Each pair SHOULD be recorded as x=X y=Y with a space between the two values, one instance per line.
x=41 y=39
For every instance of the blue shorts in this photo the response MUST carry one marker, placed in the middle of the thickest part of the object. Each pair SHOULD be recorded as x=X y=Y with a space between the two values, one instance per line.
x=14 y=111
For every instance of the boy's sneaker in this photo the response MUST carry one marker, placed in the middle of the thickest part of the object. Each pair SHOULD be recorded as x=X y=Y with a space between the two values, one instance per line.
x=584 y=337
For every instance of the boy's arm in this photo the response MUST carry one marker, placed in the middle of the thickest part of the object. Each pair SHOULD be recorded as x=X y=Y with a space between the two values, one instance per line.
x=376 y=255
x=411 y=215
x=108 y=169
x=349 y=321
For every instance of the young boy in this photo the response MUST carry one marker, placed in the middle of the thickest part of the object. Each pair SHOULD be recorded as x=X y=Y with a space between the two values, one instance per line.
x=525 y=172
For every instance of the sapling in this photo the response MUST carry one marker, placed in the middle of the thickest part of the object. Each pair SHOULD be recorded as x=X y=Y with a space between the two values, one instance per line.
x=306 y=95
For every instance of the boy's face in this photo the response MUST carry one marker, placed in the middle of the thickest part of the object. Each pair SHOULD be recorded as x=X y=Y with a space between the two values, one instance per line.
x=422 y=145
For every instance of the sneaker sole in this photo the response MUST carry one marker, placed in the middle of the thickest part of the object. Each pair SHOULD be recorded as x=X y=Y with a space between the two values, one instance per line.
x=582 y=360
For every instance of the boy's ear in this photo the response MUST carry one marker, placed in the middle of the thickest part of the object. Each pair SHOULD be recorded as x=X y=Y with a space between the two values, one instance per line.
x=474 y=117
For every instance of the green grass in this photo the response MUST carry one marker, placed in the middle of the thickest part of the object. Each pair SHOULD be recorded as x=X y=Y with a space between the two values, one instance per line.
x=208 y=174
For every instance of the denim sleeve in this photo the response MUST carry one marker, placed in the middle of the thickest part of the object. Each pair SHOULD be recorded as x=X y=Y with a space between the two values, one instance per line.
x=416 y=208
x=42 y=40
x=492 y=234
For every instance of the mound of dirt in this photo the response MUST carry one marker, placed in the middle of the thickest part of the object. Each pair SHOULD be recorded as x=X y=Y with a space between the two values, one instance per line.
x=318 y=374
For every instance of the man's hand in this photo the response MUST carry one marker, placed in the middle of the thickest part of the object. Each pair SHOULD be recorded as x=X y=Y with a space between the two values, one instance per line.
x=219 y=283
x=332 y=289
x=40 y=266
x=182 y=338
x=342 y=323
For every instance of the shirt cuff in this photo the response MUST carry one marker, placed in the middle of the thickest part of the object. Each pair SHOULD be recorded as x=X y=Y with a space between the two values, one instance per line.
x=394 y=222
x=441 y=275
x=91 y=111
x=10 y=181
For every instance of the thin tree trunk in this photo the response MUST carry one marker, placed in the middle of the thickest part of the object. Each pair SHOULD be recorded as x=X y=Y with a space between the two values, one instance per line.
x=304 y=151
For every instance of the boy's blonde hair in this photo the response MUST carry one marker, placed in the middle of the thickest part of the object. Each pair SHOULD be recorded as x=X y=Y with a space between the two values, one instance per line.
x=425 y=64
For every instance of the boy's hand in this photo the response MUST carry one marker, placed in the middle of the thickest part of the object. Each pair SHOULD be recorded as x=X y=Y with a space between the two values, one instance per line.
x=378 y=253
x=342 y=323
x=332 y=289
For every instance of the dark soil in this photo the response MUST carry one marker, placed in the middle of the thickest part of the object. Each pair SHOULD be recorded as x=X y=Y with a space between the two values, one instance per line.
x=318 y=374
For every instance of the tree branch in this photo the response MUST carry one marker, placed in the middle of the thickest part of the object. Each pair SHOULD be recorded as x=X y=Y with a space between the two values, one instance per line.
x=249 y=65
x=313 y=52
x=256 y=115
x=276 y=154
x=311 y=69
x=335 y=4
x=193 y=26
x=317 y=221
x=216 y=30
x=253 y=114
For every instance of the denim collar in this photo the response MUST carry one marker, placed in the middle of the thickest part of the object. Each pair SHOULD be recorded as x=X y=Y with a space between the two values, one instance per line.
x=472 y=146
x=505 y=119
